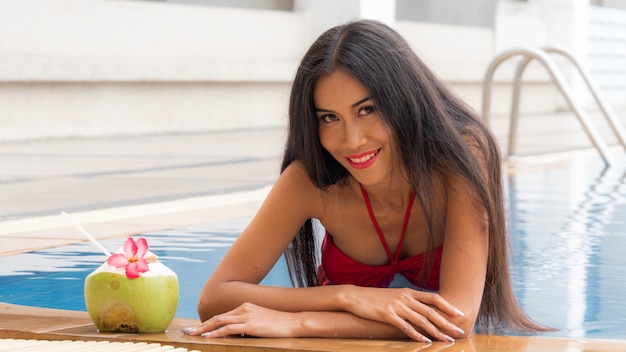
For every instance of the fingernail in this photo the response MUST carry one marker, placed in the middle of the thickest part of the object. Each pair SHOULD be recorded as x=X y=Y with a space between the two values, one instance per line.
x=427 y=340
x=188 y=330
x=448 y=338
x=207 y=334
x=459 y=313
x=459 y=330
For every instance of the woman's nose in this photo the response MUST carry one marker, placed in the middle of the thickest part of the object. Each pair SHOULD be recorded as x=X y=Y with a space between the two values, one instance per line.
x=354 y=136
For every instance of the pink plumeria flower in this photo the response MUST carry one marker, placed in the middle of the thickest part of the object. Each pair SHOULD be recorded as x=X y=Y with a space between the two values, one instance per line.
x=133 y=258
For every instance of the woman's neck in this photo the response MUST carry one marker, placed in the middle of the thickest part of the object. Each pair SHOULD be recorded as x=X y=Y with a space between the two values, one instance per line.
x=389 y=195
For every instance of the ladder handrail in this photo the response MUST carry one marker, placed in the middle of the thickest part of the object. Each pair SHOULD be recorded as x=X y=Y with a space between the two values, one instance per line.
x=595 y=91
x=541 y=55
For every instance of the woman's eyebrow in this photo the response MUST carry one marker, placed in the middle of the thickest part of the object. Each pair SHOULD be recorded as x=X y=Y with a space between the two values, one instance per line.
x=361 y=101
x=353 y=105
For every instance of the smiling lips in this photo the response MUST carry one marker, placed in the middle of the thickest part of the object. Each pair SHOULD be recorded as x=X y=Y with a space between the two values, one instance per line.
x=363 y=160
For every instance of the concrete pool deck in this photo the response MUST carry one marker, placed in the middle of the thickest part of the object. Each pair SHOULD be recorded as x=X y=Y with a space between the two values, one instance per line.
x=121 y=186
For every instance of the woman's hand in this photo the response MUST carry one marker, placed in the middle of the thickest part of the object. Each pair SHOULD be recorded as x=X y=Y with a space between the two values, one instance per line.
x=416 y=313
x=248 y=319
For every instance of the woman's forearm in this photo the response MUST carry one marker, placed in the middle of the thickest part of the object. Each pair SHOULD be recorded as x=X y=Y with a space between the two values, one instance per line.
x=253 y=320
x=316 y=311
x=229 y=295
x=343 y=325
x=360 y=312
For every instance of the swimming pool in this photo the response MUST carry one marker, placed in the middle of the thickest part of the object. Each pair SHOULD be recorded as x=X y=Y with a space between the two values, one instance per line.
x=568 y=236
x=54 y=278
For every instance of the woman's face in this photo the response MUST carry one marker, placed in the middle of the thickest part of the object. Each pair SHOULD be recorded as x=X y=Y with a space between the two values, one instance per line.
x=351 y=128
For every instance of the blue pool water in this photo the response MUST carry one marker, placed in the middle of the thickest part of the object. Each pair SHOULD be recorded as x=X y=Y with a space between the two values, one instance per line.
x=54 y=278
x=568 y=236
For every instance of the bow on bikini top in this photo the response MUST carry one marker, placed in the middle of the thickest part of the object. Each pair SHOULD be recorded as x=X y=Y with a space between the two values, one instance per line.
x=338 y=268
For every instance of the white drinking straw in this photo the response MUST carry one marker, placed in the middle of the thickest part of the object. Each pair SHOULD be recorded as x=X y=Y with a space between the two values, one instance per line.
x=84 y=232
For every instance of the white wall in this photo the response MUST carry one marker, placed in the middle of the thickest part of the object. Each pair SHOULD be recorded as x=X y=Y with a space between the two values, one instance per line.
x=102 y=67
x=140 y=40
x=475 y=13
x=606 y=55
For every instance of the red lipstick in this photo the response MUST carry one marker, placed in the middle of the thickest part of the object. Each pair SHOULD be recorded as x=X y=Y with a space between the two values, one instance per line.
x=363 y=160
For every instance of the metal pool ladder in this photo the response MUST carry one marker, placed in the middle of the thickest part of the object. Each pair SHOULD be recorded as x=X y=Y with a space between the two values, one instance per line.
x=542 y=55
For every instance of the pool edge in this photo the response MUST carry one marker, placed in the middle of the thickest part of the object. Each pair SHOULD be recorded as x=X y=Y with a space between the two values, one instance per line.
x=25 y=235
x=24 y=322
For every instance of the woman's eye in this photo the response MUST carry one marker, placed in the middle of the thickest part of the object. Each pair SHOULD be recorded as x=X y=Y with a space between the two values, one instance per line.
x=366 y=110
x=328 y=118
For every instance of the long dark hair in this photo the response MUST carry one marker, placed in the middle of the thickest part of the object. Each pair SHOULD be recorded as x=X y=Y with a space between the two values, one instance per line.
x=431 y=127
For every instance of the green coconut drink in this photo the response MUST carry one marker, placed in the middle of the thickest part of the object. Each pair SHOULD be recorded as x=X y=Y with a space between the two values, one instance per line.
x=132 y=291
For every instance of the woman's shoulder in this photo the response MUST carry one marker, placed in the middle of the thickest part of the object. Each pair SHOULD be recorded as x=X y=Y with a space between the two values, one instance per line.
x=294 y=182
x=481 y=142
x=296 y=178
x=296 y=174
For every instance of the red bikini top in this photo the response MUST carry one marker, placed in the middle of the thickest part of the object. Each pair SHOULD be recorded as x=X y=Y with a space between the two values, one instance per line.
x=337 y=268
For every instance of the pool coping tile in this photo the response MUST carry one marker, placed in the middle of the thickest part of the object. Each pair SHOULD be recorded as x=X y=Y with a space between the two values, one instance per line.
x=53 y=324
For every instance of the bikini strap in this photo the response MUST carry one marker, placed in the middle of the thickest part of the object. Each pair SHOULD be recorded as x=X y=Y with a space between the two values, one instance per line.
x=405 y=223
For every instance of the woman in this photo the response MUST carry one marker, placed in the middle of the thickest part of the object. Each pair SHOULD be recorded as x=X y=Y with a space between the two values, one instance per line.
x=406 y=182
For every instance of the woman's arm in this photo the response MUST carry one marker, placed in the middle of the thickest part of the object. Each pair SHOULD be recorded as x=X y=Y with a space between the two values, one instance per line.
x=465 y=252
x=292 y=200
x=313 y=312
x=461 y=280
x=250 y=319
